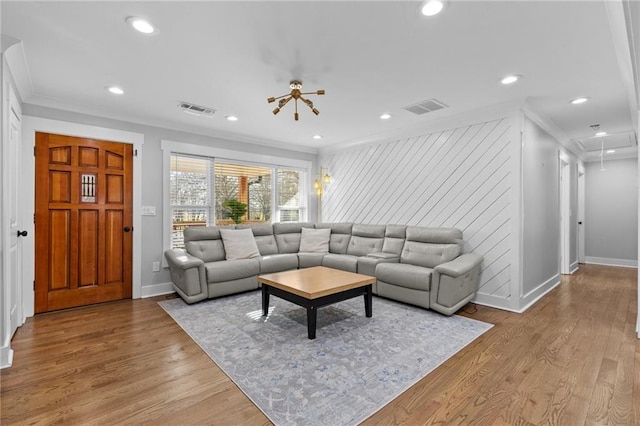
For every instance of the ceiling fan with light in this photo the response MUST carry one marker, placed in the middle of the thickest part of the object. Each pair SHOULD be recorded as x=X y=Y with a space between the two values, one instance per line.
x=295 y=94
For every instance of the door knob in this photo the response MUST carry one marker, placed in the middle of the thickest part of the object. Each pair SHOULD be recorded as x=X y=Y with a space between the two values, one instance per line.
x=127 y=229
x=22 y=233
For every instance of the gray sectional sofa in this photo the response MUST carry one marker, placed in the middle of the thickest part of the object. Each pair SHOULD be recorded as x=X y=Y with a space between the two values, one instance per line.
x=416 y=265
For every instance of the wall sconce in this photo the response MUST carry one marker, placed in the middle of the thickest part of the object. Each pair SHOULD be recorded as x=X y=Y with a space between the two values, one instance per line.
x=321 y=181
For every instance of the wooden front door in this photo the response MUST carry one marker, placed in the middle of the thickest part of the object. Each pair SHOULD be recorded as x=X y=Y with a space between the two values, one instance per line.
x=83 y=221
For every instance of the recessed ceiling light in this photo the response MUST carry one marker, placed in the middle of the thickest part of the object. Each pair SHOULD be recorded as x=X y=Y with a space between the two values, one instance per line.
x=317 y=136
x=611 y=151
x=385 y=116
x=115 y=90
x=432 y=7
x=231 y=117
x=579 y=100
x=510 y=79
x=141 y=25
x=601 y=134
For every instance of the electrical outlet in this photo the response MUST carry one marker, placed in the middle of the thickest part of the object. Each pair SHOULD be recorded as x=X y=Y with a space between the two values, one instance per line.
x=156 y=266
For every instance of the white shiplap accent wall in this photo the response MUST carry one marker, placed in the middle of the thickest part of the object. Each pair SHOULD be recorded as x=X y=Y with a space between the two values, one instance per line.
x=455 y=178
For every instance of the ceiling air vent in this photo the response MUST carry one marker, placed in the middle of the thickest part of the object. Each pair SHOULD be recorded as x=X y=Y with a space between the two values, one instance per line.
x=423 y=107
x=196 y=109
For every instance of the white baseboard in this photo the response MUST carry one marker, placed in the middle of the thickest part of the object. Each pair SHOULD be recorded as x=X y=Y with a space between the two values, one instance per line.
x=494 y=302
x=6 y=357
x=611 y=262
x=151 y=290
x=574 y=267
x=525 y=302
x=537 y=293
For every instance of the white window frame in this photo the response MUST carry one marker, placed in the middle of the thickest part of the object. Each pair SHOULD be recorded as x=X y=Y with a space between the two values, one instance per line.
x=211 y=206
x=276 y=208
x=169 y=147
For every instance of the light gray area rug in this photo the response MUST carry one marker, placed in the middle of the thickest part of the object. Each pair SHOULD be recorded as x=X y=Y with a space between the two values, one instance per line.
x=355 y=366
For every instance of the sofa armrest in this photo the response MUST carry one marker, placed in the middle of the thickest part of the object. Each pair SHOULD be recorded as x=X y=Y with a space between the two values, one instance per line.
x=188 y=275
x=460 y=265
x=454 y=283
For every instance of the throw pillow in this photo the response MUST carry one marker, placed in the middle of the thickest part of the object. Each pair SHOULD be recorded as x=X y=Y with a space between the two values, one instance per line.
x=239 y=244
x=315 y=240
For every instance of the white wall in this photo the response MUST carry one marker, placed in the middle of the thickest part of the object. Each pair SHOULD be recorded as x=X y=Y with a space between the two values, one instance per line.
x=500 y=188
x=462 y=177
x=541 y=208
x=611 y=212
x=541 y=222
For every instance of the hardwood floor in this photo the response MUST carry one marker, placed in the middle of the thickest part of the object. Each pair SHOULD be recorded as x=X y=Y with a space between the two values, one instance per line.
x=571 y=359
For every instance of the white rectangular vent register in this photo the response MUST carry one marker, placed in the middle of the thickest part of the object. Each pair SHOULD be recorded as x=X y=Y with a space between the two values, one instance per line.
x=196 y=109
x=423 y=107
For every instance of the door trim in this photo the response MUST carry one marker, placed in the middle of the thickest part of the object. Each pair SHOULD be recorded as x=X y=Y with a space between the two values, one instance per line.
x=581 y=223
x=31 y=125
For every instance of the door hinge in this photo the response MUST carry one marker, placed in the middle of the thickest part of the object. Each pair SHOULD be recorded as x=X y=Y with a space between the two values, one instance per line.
x=34 y=151
x=34 y=285
x=135 y=152
x=34 y=218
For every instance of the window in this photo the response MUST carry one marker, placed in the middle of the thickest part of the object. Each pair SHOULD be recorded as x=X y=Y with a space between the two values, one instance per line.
x=205 y=190
x=245 y=184
x=290 y=195
x=190 y=195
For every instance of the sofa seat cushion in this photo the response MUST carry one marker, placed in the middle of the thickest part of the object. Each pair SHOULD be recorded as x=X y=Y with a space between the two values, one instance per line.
x=278 y=263
x=405 y=275
x=229 y=270
x=344 y=262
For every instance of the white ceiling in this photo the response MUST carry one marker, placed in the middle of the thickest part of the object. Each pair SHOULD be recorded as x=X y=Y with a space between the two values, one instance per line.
x=370 y=57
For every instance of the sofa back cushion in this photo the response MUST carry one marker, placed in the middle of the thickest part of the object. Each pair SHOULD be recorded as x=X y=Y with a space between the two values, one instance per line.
x=315 y=240
x=340 y=236
x=287 y=236
x=264 y=237
x=394 y=238
x=429 y=247
x=204 y=243
x=366 y=239
x=239 y=244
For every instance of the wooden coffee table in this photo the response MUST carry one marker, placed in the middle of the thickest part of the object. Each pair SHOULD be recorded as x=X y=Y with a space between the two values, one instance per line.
x=315 y=287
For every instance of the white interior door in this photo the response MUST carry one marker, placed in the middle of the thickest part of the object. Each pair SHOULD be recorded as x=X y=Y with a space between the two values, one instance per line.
x=581 y=224
x=12 y=247
x=565 y=214
x=15 y=222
